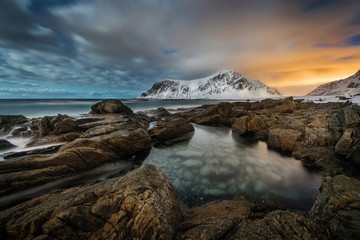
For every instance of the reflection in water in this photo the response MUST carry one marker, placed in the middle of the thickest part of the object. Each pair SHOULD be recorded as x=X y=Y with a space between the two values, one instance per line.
x=215 y=164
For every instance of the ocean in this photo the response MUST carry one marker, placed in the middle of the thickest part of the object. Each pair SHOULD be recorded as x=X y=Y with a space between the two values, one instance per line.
x=32 y=108
x=210 y=164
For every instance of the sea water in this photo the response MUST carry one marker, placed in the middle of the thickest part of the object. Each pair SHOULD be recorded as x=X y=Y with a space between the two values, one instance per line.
x=211 y=164
x=216 y=164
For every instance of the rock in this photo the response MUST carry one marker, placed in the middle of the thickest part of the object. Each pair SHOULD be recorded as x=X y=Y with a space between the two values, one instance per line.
x=139 y=205
x=348 y=144
x=288 y=105
x=284 y=139
x=256 y=124
x=277 y=225
x=337 y=208
x=213 y=221
x=65 y=126
x=349 y=117
x=317 y=137
x=219 y=114
x=5 y=144
x=239 y=125
x=7 y=123
x=169 y=129
x=121 y=138
x=110 y=106
x=55 y=125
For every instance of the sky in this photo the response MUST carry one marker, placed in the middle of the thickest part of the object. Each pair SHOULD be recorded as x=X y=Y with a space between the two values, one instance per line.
x=119 y=48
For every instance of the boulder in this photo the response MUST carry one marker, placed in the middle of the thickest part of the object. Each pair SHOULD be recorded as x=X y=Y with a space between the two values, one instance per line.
x=239 y=125
x=277 y=225
x=139 y=205
x=337 y=208
x=109 y=106
x=284 y=139
x=55 y=125
x=288 y=105
x=5 y=144
x=219 y=114
x=169 y=129
x=8 y=122
x=213 y=221
x=256 y=124
x=317 y=136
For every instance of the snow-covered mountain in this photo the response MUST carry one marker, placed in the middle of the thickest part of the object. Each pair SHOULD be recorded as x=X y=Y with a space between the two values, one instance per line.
x=346 y=87
x=225 y=84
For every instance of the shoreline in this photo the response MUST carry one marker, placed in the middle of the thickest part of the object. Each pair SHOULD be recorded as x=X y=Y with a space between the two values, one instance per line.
x=319 y=135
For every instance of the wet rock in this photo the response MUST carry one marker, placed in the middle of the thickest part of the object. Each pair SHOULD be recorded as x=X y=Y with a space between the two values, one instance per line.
x=288 y=105
x=213 y=221
x=348 y=144
x=8 y=122
x=239 y=125
x=170 y=128
x=55 y=125
x=256 y=124
x=277 y=225
x=337 y=208
x=317 y=137
x=140 y=205
x=126 y=141
x=5 y=144
x=110 y=106
x=284 y=139
x=219 y=114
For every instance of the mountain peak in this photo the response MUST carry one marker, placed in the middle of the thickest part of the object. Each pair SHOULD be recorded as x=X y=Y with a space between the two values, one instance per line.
x=345 y=87
x=223 y=84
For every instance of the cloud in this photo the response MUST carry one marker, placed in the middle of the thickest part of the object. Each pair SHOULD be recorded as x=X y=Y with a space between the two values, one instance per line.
x=120 y=48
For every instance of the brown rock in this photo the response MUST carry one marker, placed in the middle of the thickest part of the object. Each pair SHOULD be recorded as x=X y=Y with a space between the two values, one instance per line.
x=256 y=124
x=213 y=221
x=219 y=114
x=110 y=106
x=288 y=105
x=239 y=125
x=277 y=225
x=170 y=128
x=338 y=207
x=284 y=139
x=140 y=205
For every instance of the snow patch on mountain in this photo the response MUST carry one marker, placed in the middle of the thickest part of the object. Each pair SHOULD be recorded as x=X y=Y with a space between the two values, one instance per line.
x=345 y=87
x=224 y=84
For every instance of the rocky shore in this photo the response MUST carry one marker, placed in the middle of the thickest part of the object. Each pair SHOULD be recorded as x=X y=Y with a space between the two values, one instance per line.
x=142 y=204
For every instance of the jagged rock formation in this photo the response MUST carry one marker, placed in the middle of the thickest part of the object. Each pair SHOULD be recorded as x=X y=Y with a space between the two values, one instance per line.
x=225 y=84
x=345 y=87
x=140 y=205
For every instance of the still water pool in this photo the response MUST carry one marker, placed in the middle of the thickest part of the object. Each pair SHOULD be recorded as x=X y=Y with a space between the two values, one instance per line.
x=216 y=164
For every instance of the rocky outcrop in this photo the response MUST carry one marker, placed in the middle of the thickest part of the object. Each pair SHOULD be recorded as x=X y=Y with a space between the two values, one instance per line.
x=219 y=114
x=278 y=225
x=169 y=128
x=140 y=205
x=8 y=122
x=346 y=127
x=337 y=208
x=55 y=125
x=240 y=125
x=114 y=138
x=214 y=221
x=5 y=144
x=110 y=106
x=283 y=139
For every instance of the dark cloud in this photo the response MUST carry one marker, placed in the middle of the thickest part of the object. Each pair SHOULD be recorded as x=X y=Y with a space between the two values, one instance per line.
x=120 y=48
x=353 y=41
